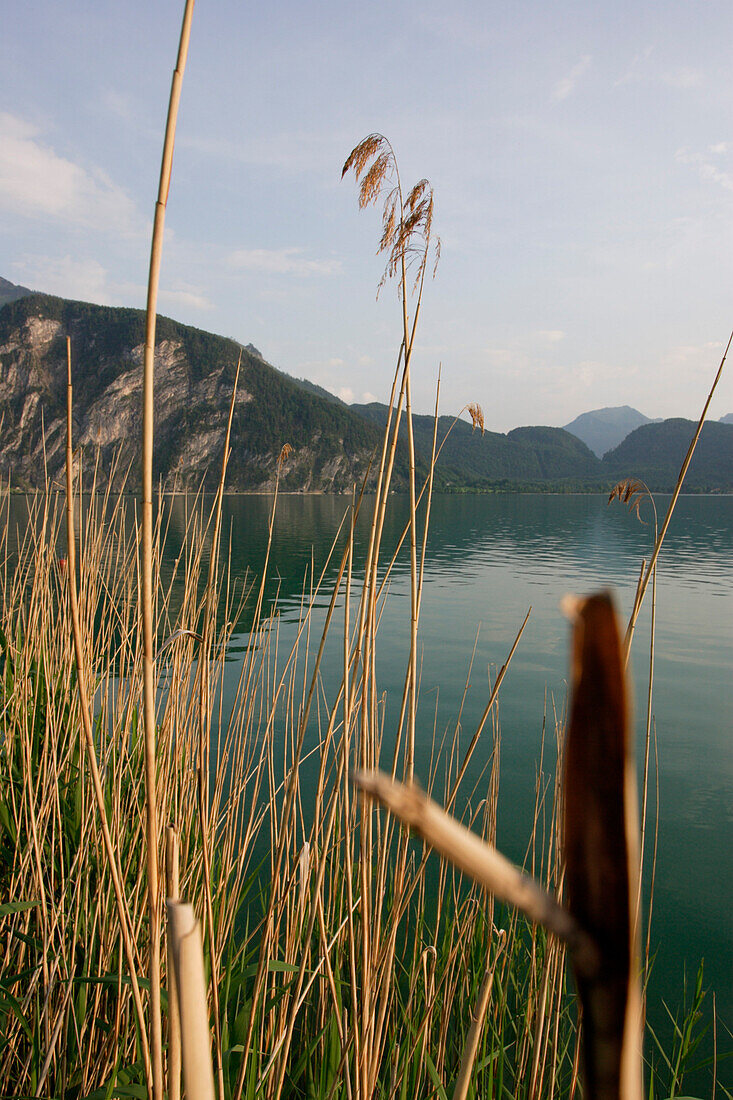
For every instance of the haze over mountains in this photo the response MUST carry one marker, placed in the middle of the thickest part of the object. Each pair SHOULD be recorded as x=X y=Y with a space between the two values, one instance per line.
x=604 y=429
x=332 y=442
x=9 y=292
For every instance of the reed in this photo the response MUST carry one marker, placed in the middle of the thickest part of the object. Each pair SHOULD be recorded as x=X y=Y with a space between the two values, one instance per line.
x=146 y=569
x=300 y=937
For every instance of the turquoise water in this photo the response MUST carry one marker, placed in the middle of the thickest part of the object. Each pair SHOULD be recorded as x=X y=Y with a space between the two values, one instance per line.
x=492 y=557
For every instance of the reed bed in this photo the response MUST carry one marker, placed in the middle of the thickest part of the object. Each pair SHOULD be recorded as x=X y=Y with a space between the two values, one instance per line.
x=303 y=921
x=347 y=962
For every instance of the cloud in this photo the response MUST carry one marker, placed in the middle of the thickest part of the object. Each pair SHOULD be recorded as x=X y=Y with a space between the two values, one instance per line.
x=86 y=280
x=683 y=78
x=298 y=151
x=36 y=182
x=638 y=68
x=70 y=277
x=552 y=335
x=566 y=86
x=282 y=261
x=700 y=359
x=706 y=168
x=188 y=297
x=347 y=394
x=646 y=68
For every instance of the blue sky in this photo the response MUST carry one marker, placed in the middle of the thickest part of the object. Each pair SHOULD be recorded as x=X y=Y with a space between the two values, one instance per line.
x=581 y=156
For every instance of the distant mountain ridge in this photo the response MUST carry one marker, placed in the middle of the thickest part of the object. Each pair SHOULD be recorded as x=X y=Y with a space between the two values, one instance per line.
x=657 y=452
x=603 y=429
x=542 y=458
x=333 y=443
x=527 y=457
x=10 y=292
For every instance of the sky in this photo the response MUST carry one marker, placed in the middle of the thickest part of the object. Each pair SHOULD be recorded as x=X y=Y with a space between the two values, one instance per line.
x=581 y=156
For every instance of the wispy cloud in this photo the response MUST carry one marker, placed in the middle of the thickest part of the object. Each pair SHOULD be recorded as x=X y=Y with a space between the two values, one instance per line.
x=698 y=358
x=287 y=152
x=638 y=69
x=187 y=297
x=708 y=164
x=552 y=335
x=646 y=67
x=566 y=86
x=682 y=78
x=36 y=182
x=282 y=261
x=85 y=279
x=349 y=396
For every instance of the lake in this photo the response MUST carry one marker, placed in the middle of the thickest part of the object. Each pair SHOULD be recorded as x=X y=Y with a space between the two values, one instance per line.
x=491 y=558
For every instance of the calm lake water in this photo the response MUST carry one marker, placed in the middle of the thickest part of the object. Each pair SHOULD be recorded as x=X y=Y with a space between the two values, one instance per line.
x=489 y=559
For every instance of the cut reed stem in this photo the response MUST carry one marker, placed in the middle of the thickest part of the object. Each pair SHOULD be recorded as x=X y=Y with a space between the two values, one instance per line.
x=188 y=958
x=156 y=1037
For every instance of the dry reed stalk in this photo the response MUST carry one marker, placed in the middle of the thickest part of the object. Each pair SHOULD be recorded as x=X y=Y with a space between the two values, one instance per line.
x=279 y=842
x=644 y=583
x=205 y=728
x=156 y=1038
x=109 y=590
x=468 y=1057
x=185 y=933
x=89 y=737
x=405 y=222
x=174 y=1020
x=484 y=864
x=633 y=492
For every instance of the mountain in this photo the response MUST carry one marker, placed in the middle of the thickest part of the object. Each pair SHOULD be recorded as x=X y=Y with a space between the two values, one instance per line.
x=319 y=391
x=727 y=419
x=603 y=429
x=9 y=292
x=655 y=452
x=528 y=457
x=194 y=380
x=332 y=443
x=541 y=459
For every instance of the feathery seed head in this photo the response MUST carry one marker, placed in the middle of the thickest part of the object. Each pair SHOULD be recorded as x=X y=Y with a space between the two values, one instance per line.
x=406 y=223
x=362 y=153
x=477 y=416
x=632 y=492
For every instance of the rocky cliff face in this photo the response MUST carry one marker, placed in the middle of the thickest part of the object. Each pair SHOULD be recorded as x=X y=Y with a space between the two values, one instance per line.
x=194 y=380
